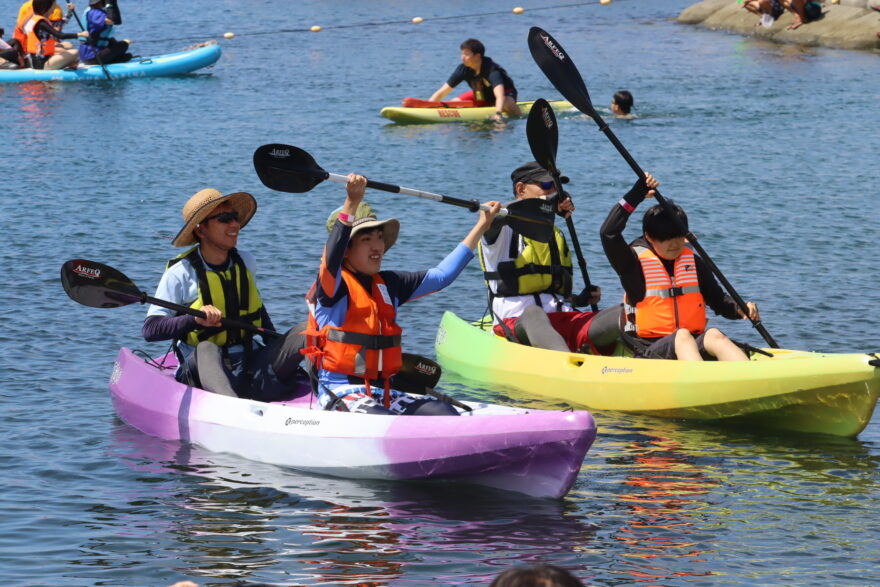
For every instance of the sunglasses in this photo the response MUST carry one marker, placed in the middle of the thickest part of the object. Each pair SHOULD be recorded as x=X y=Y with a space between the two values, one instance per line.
x=545 y=185
x=224 y=217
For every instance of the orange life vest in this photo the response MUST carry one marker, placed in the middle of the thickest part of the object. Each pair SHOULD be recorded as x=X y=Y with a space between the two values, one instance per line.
x=34 y=45
x=367 y=343
x=24 y=15
x=669 y=303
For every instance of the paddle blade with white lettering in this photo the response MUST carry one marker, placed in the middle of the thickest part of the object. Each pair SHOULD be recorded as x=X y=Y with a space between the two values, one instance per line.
x=97 y=285
x=560 y=70
x=285 y=168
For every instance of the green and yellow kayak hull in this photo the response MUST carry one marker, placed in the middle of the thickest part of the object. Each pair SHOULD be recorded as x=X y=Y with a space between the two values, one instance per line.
x=405 y=115
x=792 y=390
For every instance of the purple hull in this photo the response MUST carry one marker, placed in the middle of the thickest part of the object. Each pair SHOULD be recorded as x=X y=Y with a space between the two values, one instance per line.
x=535 y=452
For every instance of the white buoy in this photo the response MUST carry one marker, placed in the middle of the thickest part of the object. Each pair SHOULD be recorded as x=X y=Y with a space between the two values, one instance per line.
x=228 y=35
x=316 y=29
x=604 y=1
x=418 y=20
x=518 y=10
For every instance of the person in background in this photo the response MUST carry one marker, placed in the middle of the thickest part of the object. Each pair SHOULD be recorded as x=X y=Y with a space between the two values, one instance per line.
x=101 y=47
x=10 y=53
x=804 y=11
x=766 y=9
x=215 y=277
x=489 y=83
x=59 y=19
x=41 y=40
x=353 y=335
x=667 y=287
x=530 y=283
x=621 y=104
x=536 y=576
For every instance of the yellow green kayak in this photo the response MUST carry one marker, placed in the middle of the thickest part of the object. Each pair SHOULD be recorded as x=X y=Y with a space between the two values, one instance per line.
x=801 y=391
x=406 y=115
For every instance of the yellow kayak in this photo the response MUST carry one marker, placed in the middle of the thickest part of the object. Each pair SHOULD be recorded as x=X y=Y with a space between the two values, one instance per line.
x=406 y=115
x=802 y=391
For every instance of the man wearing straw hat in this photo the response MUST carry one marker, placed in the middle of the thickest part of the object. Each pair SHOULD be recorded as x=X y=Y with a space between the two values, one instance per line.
x=216 y=278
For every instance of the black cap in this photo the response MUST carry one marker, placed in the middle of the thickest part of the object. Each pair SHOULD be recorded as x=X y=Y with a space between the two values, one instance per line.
x=532 y=172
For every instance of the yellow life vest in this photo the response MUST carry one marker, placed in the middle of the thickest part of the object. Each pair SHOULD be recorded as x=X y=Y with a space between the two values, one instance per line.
x=534 y=267
x=233 y=291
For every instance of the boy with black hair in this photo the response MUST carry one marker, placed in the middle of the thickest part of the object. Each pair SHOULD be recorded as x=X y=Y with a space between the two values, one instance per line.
x=621 y=104
x=489 y=83
x=666 y=285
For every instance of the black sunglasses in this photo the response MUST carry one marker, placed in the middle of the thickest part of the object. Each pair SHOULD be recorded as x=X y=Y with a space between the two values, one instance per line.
x=224 y=217
x=545 y=185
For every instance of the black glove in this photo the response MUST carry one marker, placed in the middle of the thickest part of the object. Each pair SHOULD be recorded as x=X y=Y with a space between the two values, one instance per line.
x=558 y=199
x=583 y=299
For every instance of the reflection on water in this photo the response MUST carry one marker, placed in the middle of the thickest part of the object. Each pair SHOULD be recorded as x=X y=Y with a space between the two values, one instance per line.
x=663 y=495
x=242 y=519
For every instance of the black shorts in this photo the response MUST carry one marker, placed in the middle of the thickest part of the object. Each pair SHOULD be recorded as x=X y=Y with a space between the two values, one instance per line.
x=664 y=348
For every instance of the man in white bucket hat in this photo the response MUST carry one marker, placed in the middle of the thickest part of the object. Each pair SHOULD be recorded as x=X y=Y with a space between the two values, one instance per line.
x=354 y=340
x=213 y=276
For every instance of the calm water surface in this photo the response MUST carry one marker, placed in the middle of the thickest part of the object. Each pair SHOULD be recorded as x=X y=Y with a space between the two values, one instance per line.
x=772 y=149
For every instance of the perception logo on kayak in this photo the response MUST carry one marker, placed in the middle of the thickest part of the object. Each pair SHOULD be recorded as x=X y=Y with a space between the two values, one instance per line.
x=87 y=272
x=280 y=153
x=553 y=48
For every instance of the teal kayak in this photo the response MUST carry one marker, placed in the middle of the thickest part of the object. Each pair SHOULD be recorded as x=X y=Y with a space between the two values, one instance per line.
x=170 y=64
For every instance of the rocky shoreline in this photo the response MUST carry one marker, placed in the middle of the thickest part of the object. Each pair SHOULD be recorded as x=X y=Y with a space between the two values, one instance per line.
x=851 y=24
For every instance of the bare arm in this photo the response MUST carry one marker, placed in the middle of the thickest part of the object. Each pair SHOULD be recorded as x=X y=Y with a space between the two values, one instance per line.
x=441 y=93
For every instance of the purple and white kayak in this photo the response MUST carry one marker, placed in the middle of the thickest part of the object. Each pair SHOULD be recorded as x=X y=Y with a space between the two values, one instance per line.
x=536 y=452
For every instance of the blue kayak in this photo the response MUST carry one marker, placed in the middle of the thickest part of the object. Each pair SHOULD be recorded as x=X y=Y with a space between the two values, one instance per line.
x=171 y=64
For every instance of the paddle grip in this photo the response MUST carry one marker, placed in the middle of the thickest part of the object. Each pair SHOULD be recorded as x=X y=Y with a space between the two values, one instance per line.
x=199 y=314
x=385 y=187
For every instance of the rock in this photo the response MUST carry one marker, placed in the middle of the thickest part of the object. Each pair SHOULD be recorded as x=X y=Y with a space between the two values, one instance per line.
x=842 y=26
x=697 y=13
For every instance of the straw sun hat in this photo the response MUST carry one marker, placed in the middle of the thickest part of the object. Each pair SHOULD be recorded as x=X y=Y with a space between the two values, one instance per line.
x=365 y=218
x=200 y=206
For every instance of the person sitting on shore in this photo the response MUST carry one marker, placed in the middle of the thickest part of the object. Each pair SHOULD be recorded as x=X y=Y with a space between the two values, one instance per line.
x=621 y=104
x=667 y=286
x=773 y=9
x=804 y=11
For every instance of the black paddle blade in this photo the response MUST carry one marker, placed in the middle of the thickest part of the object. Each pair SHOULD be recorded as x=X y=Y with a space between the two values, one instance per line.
x=416 y=374
x=285 y=168
x=560 y=69
x=96 y=285
x=543 y=134
x=533 y=218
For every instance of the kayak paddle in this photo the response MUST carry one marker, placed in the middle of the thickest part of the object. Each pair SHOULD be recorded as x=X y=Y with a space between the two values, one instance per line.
x=564 y=75
x=99 y=286
x=543 y=133
x=286 y=168
x=419 y=375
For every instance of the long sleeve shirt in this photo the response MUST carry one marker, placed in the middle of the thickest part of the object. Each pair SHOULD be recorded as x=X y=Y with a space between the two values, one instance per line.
x=626 y=263
x=331 y=302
